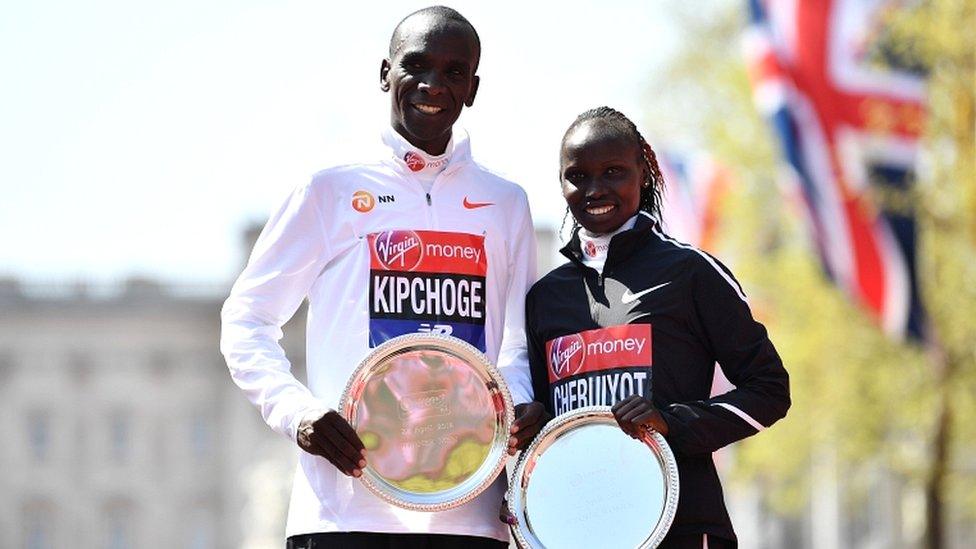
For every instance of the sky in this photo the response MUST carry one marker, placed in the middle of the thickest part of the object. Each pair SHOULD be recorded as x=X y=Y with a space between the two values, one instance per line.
x=140 y=138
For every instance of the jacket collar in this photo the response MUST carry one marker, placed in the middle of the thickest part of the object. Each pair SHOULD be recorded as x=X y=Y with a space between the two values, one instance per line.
x=622 y=245
x=397 y=152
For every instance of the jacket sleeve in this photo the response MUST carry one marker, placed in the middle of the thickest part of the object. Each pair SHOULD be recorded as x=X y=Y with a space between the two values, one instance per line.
x=513 y=361
x=742 y=348
x=288 y=256
x=537 y=355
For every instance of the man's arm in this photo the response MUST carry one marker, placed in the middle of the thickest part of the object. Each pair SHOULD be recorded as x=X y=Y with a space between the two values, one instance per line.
x=513 y=360
x=287 y=258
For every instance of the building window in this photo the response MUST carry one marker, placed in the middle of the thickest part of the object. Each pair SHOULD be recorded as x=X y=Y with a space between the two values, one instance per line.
x=161 y=363
x=202 y=531
x=7 y=366
x=201 y=435
x=39 y=435
x=118 y=536
x=38 y=524
x=38 y=534
x=119 y=527
x=80 y=367
x=120 y=427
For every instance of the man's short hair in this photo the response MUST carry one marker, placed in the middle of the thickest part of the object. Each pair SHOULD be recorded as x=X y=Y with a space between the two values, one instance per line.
x=444 y=16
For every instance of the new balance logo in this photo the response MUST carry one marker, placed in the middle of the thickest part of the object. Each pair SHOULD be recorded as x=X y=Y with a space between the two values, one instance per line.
x=445 y=329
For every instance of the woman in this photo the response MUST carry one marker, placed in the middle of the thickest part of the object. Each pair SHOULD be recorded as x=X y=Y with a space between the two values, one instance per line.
x=632 y=305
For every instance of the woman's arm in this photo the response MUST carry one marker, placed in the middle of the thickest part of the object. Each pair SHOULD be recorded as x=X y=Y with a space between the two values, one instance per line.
x=742 y=348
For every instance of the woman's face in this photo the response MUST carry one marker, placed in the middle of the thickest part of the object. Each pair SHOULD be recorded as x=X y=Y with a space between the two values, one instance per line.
x=602 y=173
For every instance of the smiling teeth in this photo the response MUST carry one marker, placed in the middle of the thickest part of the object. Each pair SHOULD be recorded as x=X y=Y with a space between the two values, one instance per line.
x=598 y=210
x=428 y=109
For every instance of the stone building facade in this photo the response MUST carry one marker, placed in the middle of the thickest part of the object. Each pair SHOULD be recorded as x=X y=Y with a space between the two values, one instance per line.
x=121 y=425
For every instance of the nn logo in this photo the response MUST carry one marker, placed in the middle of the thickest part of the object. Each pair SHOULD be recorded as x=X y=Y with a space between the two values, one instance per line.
x=363 y=201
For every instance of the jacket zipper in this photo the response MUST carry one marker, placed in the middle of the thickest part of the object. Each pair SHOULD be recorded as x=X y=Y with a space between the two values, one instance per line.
x=428 y=199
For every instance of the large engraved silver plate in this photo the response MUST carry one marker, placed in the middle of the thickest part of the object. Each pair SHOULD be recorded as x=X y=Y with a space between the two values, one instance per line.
x=434 y=415
x=583 y=482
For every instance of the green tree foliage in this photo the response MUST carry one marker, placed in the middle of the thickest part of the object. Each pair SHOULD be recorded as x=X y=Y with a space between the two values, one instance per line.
x=938 y=34
x=872 y=401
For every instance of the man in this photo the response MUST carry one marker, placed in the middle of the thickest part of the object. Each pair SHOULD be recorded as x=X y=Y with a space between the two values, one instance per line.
x=346 y=241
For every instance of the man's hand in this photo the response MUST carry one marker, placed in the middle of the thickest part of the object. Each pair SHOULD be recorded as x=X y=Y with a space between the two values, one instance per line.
x=330 y=436
x=529 y=420
x=635 y=413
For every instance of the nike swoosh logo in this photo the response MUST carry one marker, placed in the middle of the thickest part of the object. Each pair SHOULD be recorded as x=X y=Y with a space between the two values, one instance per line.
x=630 y=298
x=473 y=205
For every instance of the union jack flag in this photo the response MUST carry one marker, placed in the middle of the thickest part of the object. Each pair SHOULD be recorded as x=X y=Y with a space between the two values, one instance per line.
x=692 y=197
x=849 y=112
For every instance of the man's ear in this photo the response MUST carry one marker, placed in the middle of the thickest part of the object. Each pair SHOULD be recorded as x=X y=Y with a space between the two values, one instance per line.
x=384 y=75
x=475 y=81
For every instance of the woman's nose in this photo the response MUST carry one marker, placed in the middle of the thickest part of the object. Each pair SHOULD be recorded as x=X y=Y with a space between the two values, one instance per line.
x=595 y=188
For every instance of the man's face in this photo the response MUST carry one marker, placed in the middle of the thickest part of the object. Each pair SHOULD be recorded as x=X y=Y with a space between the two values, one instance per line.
x=430 y=78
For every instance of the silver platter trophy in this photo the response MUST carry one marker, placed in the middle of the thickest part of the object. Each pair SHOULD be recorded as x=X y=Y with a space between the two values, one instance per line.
x=434 y=415
x=583 y=482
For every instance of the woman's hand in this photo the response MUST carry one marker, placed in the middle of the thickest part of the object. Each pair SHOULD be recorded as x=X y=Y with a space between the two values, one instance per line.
x=635 y=413
x=530 y=418
x=505 y=515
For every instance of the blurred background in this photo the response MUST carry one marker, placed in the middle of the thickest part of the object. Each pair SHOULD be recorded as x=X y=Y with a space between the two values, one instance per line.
x=823 y=149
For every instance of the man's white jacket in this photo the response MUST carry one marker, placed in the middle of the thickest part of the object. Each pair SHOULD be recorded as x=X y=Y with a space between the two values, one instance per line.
x=376 y=255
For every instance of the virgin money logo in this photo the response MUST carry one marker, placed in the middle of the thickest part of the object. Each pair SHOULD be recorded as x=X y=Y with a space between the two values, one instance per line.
x=399 y=250
x=566 y=355
x=585 y=353
x=589 y=249
x=414 y=161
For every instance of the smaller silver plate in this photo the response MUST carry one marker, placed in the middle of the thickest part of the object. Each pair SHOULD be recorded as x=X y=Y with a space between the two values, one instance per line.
x=434 y=415
x=583 y=482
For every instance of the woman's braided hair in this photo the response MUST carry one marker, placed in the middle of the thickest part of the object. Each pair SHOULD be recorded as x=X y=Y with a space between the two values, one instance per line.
x=653 y=185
